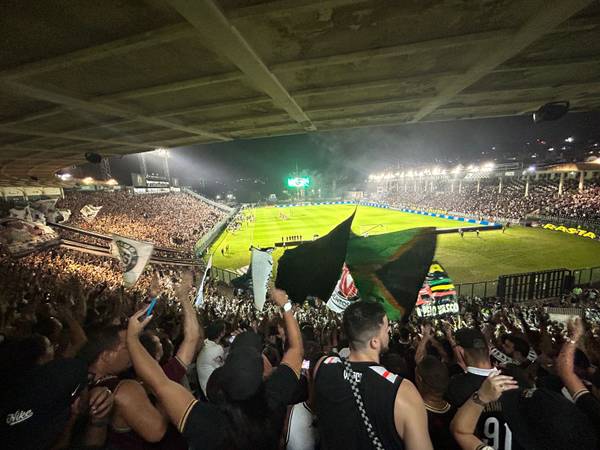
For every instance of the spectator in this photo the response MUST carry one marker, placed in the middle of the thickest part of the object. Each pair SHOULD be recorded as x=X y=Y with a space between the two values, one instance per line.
x=359 y=403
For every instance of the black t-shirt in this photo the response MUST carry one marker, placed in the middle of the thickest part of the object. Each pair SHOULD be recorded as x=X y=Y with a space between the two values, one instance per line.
x=339 y=421
x=491 y=428
x=590 y=405
x=438 y=421
x=203 y=424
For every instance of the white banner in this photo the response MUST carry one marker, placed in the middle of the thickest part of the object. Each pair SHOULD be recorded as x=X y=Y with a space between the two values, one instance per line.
x=344 y=294
x=89 y=212
x=133 y=255
x=200 y=295
x=262 y=267
x=21 y=237
x=21 y=213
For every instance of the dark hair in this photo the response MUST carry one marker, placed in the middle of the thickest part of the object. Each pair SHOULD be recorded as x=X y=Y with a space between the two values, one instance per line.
x=215 y=329
x=434 y=374
x=249 y=423
x=272 y=354
x=99 y=340
x=147 y=341
x=20 y=355
x=394 y=362
x=362 y=321
x=521 y=345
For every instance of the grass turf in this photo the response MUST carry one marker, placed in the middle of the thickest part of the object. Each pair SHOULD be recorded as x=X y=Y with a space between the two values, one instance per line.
x=467 y=259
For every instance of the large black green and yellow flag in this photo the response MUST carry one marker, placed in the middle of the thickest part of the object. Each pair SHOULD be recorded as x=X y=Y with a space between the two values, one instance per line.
x=390 y=268
x=314 y=268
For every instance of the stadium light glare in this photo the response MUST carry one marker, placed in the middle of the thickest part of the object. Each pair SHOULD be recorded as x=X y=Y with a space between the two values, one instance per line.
x=65 y=176
x=531 y=169
x=112 y=182
x=161 y=151
x=88 y=180
x=488 y=167
x=457 y=169
x=570 y=139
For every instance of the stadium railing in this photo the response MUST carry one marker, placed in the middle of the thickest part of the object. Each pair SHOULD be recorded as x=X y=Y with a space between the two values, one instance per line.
x=223 y=275
x=207 y=240
x=588 y=276
x=220 y=206
x=477 y=289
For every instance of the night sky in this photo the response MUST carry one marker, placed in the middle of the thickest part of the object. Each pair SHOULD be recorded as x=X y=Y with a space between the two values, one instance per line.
x=353 y=154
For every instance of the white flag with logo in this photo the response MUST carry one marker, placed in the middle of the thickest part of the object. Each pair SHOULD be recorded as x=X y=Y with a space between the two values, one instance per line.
x=262 y=267
x=344 y=294
x=89 y=212
x=200 y=296
x=133 y=255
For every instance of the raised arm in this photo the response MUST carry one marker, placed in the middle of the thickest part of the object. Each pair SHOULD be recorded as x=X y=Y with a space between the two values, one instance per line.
x=174 y=398
x=566 y=359
x=192 y=333
x=295 y=352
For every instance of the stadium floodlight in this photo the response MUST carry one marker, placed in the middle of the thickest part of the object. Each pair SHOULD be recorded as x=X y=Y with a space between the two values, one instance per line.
x=161 y=151
x=112 y=182
x=531 y=169
x=488 y=167
x=65 y=176
x=570 y=139
x=88 y=180
x=298 y=182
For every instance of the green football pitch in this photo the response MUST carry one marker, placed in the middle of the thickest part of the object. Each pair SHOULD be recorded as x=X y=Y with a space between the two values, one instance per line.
x=467 y=259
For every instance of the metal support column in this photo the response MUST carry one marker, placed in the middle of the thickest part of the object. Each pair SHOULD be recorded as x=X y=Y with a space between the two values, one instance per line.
x=561 y=184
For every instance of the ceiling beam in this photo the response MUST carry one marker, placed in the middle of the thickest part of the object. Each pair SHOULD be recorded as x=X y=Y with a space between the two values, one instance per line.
x=549 y=17
x=72 y=136
x=224 y=39
x=113 y=48
x=393 y=51
x=71 y=101
x=173 y=87
x=282 y=7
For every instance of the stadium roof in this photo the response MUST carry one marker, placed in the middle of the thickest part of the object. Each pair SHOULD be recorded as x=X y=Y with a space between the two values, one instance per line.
x=117 y=77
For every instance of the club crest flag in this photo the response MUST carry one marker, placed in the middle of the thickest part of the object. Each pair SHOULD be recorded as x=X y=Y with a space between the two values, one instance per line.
x=438 y=294
x=200 y=295
x=344 y=294
x=89 y=212
x=262 y=267
x=133 y=256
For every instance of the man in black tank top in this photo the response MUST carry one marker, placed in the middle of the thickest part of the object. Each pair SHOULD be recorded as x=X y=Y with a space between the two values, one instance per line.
x=392 y=407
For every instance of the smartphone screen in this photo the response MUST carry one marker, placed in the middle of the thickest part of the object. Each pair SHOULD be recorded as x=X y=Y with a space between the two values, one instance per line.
x=151 y=307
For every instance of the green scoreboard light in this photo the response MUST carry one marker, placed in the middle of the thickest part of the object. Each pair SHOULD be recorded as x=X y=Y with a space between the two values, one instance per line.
x=298 y=182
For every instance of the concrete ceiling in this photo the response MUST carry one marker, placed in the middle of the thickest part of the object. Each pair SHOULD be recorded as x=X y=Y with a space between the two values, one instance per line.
x=117 y=77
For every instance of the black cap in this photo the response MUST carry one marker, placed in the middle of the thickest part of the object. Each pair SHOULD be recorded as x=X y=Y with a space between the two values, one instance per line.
x=543 y=419
x=248 y=339
x=241 y=375
x=37 y=406
x=470 y=338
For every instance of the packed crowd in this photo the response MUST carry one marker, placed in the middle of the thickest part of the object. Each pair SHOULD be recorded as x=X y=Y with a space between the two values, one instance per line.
x=167 y=220
x=85 y=366
x=511 y=203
